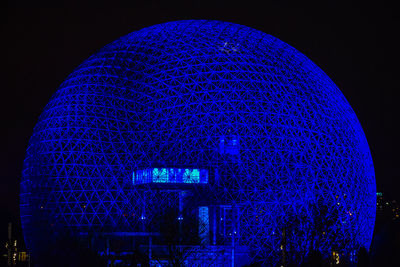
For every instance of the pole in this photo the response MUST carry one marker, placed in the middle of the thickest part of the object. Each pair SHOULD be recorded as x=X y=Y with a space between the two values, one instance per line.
x=214 y=226
x=233 y=250
x=284 y=252
x=108 y=251
x=9 y=245
x=150 y=243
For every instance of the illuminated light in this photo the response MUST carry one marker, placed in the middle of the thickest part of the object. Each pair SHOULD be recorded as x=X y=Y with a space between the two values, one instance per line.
x=191 y=176
x=160 y=175
x=171 y=175
x=204 y=226
x=336 y=257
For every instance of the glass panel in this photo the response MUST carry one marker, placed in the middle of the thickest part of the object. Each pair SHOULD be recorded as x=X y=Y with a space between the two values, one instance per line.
x=170 y=175
x=204 y=226
x=160 y=175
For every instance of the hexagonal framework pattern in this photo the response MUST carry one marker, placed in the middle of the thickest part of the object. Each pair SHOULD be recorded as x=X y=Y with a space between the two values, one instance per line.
x=168 y=95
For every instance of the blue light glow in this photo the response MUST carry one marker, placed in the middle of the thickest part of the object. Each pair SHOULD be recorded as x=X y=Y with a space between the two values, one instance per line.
x=170 y=175
x=204 y=226
x=261 y=127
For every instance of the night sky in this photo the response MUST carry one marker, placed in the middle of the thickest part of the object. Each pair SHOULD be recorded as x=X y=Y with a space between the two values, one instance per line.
x=354 y=43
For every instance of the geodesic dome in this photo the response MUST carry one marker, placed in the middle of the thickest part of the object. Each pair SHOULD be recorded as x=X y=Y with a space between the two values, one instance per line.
x=253 y=126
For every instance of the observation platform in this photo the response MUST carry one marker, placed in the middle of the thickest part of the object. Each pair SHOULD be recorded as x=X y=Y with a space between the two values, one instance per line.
x=178 y=178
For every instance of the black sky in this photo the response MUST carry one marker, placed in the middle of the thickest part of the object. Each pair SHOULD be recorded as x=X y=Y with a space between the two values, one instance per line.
x=354 y=43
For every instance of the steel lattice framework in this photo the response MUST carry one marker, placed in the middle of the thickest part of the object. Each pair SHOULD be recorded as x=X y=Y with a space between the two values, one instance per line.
x=282 y=140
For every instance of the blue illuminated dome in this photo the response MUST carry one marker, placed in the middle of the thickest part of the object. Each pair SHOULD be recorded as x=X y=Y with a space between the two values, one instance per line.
x=219 y=124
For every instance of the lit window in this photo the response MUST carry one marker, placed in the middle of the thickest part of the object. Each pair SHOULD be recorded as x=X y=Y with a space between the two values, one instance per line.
x=160 y=175
x=191 y=176
x=170 y=175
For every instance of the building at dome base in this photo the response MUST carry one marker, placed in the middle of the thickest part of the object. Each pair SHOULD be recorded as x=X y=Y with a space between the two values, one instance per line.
x=208 y=139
